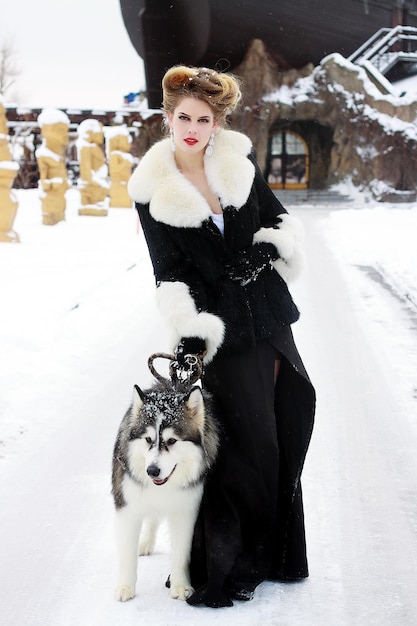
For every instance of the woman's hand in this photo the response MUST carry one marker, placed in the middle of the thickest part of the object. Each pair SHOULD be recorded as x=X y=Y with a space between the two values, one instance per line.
x=189 y=345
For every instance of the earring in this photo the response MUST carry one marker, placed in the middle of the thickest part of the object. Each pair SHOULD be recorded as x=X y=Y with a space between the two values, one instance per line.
x=171 y=134
x=209 y=149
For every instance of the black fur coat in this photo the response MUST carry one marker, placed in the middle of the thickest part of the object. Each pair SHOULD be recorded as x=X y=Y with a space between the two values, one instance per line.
x=188 y=251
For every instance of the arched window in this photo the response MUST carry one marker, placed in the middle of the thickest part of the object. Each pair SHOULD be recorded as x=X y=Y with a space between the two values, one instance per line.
x=288 y=161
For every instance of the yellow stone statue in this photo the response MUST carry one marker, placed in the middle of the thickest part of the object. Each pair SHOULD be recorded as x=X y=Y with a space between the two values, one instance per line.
x=8 y=172
x=119 y=142
x=53 y=178
x=93 y=184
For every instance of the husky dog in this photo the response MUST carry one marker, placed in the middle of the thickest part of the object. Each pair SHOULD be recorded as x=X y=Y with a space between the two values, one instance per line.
x=166 y=443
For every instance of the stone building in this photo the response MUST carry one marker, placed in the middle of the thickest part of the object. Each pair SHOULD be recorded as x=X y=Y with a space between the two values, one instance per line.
x=317 y=126
x=314 y=117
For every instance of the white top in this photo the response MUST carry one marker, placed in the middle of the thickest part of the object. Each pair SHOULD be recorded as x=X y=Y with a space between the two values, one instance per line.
x=218 y=219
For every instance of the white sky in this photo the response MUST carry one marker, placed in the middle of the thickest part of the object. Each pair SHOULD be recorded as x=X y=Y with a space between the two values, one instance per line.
x=72 y=53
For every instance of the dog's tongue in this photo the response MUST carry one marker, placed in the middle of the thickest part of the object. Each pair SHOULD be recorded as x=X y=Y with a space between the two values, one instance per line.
x=157 y=481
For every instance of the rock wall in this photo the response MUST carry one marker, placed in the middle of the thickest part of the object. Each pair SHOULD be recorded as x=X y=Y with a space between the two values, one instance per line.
x=374 y=136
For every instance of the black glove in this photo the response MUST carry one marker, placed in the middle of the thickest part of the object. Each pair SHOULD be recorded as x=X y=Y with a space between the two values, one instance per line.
x=249 y=263
x=189 y=345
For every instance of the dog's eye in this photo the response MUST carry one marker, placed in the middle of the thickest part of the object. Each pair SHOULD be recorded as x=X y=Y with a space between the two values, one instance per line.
x=171 y=441
x=149 y=441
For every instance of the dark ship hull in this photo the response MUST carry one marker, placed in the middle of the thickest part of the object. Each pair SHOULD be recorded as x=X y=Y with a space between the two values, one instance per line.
x=216 y=33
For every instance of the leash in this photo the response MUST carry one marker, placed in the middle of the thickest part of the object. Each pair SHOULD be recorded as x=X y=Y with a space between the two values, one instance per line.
x=181 y=378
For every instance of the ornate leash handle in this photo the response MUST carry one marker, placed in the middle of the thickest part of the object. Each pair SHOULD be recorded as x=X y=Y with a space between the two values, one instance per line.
x=180 y=377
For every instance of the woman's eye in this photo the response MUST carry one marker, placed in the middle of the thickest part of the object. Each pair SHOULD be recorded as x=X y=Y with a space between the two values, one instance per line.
x=183 y=118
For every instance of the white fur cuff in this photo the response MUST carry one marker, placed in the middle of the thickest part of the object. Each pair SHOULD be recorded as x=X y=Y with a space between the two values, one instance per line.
x=178 y=308
x=288 y=240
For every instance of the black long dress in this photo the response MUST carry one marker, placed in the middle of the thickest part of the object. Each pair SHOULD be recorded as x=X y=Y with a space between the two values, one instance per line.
x=251 y=522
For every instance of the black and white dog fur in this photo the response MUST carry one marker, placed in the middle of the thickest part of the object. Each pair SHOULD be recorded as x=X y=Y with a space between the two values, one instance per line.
x=166 y=443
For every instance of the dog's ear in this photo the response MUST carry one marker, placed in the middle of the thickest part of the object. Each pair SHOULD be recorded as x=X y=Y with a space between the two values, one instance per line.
x=194 y=404
x=138 y=399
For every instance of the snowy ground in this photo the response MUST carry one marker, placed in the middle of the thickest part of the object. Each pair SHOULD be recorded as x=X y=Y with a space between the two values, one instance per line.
x=77 y=323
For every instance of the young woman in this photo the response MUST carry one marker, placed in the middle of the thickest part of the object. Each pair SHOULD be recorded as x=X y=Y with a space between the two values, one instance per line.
x=223 y=249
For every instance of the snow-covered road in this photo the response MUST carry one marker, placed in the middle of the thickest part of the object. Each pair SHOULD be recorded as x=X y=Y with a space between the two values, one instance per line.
x=57 y=563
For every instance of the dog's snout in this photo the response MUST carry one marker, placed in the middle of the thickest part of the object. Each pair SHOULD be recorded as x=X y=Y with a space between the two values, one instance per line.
x=153 y=471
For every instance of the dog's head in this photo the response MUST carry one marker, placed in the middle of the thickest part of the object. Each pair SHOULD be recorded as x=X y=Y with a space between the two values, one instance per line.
x=166 y=436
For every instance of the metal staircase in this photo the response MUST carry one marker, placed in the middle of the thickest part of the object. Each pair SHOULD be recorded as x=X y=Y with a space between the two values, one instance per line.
x=387 y=49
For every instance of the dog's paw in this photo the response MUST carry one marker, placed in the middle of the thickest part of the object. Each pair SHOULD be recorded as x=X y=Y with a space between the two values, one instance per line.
x=181 y=592
x=122 y=593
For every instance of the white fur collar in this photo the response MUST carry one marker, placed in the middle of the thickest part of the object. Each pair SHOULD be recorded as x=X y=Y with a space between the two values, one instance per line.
x=174 y=200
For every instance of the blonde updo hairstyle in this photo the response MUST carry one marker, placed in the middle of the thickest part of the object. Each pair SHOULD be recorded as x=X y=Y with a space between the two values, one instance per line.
x=220 y=91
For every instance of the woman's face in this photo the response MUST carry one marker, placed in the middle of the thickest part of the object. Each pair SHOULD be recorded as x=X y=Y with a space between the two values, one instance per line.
x=192 y=122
